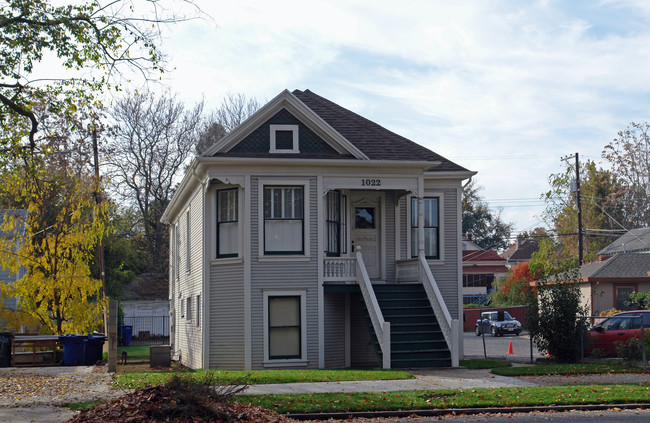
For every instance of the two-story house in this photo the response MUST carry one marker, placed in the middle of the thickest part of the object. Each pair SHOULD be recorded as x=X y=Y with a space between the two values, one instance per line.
x=312 y=237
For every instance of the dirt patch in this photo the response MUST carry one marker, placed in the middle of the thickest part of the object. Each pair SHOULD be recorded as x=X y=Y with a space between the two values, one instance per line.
x=608 y=378
x=55 y=385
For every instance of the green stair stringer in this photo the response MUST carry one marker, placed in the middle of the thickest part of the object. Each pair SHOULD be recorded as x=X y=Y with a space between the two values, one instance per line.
x=416 y=338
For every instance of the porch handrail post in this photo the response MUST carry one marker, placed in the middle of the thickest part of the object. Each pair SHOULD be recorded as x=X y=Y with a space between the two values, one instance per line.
x=380 y=326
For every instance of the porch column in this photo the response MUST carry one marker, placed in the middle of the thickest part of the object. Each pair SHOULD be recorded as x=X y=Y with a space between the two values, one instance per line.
x=420 y=226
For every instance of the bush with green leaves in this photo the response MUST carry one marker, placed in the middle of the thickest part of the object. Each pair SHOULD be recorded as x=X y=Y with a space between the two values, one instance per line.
x=639 y=300
x=554 y=320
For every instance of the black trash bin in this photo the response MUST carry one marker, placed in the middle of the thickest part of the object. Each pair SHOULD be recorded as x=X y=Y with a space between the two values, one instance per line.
x=94 y=349
x=6 y=339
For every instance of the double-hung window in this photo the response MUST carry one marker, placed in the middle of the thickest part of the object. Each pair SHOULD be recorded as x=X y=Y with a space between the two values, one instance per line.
x=284 y=327
x=335 y=221
x=227 y=223
x=284 y=220
x=431 y=227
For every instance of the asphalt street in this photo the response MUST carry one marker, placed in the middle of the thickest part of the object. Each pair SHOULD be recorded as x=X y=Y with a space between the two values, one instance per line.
x=497 y=347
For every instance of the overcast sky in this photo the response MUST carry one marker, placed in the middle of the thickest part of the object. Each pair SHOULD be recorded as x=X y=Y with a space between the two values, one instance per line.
x=505 y=88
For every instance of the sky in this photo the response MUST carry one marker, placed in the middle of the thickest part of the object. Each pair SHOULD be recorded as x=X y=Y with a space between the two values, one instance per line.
x=504 y=88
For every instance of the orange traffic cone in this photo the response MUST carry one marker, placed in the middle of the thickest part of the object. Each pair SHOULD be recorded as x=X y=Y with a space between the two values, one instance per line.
x=510 y=351
x=548 y=354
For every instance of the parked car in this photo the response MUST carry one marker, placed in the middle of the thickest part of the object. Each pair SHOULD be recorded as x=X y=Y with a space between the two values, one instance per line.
x=617 y=328
x=497 y=323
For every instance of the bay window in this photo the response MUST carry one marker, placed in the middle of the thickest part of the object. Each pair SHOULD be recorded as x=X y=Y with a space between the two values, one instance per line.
x=227 y=223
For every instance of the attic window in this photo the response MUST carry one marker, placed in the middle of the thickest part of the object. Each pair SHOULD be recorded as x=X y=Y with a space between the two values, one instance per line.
x=284 y=139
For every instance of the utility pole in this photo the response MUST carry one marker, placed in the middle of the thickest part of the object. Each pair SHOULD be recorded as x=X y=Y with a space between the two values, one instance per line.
x=578 y=204
x=100 y=246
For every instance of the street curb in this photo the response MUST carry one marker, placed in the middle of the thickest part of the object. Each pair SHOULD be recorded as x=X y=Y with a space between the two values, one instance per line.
x=467 y=411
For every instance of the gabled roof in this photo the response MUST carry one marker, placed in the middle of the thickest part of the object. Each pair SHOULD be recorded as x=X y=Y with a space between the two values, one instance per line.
x=478 y=255
x=351 y=135
x=634 y=240
x=521 y=251
x=377 y=142
x=624 y=265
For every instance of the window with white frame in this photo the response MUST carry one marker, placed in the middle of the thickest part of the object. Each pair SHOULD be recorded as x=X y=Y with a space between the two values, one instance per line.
x=284 y=327
x=188 y=253
x=227 y=223
x=431 y=227
x=284 y=220
x=188 y=308
x=182 y=307
x=198 y=310
x=284 y=139
x=335 y=221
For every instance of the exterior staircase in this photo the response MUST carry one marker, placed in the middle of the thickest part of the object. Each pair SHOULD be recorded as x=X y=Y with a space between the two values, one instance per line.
x=416 y=338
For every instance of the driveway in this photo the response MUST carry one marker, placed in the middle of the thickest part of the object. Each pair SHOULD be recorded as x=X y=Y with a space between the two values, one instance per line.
x=37 y=394
x=497 y=347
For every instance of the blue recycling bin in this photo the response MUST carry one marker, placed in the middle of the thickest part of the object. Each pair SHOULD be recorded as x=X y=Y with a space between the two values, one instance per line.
x=94 y=349
x=5 y=348
x=125 y=333
x=74 y=349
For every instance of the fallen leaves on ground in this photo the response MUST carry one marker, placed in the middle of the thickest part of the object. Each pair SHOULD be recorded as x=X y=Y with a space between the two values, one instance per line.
x=161 y=404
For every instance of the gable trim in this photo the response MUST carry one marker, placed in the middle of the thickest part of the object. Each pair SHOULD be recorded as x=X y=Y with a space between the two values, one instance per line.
x=290 y=102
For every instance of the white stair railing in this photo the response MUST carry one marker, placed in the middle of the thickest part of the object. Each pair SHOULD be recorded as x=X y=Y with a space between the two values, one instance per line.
x=381 y=327
x=448 y=325
x=341 y=269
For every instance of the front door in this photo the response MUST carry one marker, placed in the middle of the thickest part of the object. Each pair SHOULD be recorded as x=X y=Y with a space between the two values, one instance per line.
x=366 y=230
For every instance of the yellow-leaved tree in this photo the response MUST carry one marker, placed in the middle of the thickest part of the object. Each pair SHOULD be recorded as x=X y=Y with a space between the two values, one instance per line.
x=52 y=245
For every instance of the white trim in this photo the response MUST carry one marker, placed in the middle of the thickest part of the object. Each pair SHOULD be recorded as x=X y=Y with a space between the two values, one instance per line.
x=203 y=322
x=227 y=260
x=459 y=248
x=294 y=130
x=441 y=224
x=246 y=224
x=286 y=100
x=321 y=257
x=398 y=228
x=262 y=182
x=303 y=326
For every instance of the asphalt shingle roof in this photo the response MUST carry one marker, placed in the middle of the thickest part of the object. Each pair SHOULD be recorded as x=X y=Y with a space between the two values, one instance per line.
x=624 y=265
x=375 y=141
x=634 y=240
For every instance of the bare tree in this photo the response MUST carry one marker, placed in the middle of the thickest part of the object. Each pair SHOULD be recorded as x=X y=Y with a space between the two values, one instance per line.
x=234 y=109
x=153 y=139
x=629 y=155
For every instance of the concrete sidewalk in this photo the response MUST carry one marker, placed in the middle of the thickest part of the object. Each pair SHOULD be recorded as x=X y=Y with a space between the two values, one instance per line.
x=454 y=378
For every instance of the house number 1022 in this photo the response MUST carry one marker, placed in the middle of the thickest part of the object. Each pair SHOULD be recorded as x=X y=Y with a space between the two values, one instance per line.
x=371 y=182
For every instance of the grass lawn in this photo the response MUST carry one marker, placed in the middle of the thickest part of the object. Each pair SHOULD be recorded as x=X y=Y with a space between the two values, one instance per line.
x=565 y=369
x=461 y=398
x=135 y=352
x=136 y=380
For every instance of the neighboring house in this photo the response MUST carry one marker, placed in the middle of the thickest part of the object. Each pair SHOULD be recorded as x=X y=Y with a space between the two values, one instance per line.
x=480 y=269
x=298 y=221
x=607 y=283
x=635 y=240
x=145 y=304
x=520 y=251
x=7 y=277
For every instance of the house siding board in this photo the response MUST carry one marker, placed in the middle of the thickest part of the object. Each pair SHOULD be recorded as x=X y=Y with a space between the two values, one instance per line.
x=334 y=305
x=188 y=335
x=283 y=276
x=258 y=142
x=227 y=347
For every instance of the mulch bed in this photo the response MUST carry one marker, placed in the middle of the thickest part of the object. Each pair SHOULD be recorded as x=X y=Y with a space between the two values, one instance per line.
x=164 y=404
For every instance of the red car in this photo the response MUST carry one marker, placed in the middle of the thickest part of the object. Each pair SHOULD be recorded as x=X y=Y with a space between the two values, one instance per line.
x=619 y=327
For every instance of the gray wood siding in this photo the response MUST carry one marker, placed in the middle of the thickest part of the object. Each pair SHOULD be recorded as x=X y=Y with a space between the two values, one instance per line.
x=188 y=334
x=334 y=330
x=361 y=351
x=446 y=275
x=226 y=337
x=283 y=275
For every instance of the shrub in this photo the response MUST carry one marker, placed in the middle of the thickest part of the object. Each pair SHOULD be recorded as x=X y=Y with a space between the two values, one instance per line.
x=629 y=350
x=553 y=320
x=609 y=312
